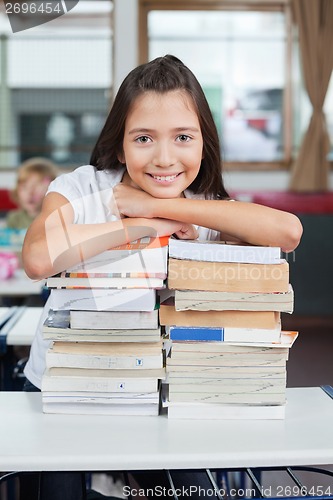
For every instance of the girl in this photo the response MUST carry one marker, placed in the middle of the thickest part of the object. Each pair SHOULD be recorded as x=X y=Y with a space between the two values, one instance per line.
x=155 y=170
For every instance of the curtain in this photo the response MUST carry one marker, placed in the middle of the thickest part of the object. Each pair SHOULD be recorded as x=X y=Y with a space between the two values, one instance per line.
x=315 y=23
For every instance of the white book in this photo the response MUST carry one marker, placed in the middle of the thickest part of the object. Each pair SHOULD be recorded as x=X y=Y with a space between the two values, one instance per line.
x=103 y=299
x=57 y=327
x=233 y=387
x=236 y=371
x=227 y=349
x=104 y=398
x=103 y=362
x=250 y=336
x=63 y=281
x=68 y=335
x=118 y=381
x=139 y=409
x=239 y=301
x=121 y=320
x=212 y=411
x=226 y=375
x=232 y=397
x=147 y=256
x=209 y=359
x=197 y=384
x=216 y=251
x=117 y=356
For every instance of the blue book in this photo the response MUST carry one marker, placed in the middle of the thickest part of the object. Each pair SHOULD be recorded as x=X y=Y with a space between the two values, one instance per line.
x=196 y=333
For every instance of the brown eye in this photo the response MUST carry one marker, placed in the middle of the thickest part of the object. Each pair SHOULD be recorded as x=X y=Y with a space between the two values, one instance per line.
x=144 y=139
x=183 y=138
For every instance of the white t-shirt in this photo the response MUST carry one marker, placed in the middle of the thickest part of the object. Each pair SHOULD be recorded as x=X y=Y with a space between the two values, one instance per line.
x=90 y=193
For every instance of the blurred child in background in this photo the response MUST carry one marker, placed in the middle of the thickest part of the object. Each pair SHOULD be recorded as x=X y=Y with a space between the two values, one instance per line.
x=33 y=179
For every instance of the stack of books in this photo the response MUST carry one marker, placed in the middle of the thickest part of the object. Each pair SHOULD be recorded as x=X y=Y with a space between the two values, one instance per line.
x=107 y=352
x=228 y=352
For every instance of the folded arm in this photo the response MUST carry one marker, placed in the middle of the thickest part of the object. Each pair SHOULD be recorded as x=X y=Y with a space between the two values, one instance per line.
x=247 y=222
x=53 y=242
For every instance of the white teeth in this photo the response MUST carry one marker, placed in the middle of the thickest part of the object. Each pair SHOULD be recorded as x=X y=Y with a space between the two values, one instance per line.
x=167 y=178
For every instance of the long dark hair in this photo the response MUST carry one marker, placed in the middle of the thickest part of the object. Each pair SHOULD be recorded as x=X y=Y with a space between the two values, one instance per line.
x=162 y=75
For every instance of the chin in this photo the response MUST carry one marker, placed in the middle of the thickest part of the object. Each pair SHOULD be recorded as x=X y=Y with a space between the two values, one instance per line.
x=166 y=193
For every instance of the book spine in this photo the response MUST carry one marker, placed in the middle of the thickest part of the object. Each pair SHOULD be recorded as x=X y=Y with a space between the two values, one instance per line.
x=219 y=252
x=151 y=409
x=251 y=335
x=103 y=362
x=224 y=301
x=177 y=377
x=227 y=277
x=225 y=412
x=262 y=387
x=68 y=337
x=99 y=385
x=196 y=334
x=277 y=398
x=218 y=361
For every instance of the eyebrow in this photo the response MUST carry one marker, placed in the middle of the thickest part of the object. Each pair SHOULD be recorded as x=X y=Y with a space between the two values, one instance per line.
x=148 y=130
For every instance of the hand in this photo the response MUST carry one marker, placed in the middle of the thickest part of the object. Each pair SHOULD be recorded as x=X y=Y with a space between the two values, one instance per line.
x=187 y=232
x=166 y=227
x=132 y=202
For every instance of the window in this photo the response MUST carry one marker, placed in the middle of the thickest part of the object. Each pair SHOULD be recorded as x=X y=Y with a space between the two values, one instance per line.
x=243 y=55
x=56 y=81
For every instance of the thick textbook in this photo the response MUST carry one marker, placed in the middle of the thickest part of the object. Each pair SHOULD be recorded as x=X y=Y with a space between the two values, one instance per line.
x=80 y=379
x=105 y=355
x=234 y=319
x=228 y=277
x=139 y=258
x=216 y=251
x=103 y=299
x=213 y=411
x=237 y=301
x=218 y=334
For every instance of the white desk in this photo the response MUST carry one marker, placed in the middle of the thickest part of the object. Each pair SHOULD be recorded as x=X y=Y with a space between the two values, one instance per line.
x=33 y=441
x=20 y=285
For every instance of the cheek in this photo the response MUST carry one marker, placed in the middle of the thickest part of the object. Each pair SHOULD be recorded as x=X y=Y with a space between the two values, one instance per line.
x=22 y=195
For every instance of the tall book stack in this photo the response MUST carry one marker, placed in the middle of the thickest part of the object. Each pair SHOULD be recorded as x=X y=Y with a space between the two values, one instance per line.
x=106 y=356
x=228 y=352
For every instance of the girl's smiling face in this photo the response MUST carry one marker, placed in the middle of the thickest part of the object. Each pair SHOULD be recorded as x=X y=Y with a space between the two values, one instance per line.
x=163 y=144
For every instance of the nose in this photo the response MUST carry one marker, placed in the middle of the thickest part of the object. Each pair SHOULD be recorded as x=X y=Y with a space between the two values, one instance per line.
x=164 y=156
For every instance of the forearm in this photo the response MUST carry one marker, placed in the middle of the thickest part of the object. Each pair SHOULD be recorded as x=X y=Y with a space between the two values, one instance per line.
x=60 y=247
x=248 y=222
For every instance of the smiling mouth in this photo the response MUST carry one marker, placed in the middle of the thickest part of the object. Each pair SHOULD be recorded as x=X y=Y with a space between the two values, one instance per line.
x=165 y=178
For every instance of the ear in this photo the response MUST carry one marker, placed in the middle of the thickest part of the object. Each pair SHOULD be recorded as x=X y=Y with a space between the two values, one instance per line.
x=121 y=157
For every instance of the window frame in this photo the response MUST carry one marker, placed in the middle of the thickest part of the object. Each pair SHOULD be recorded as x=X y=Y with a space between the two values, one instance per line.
x=145 y=6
